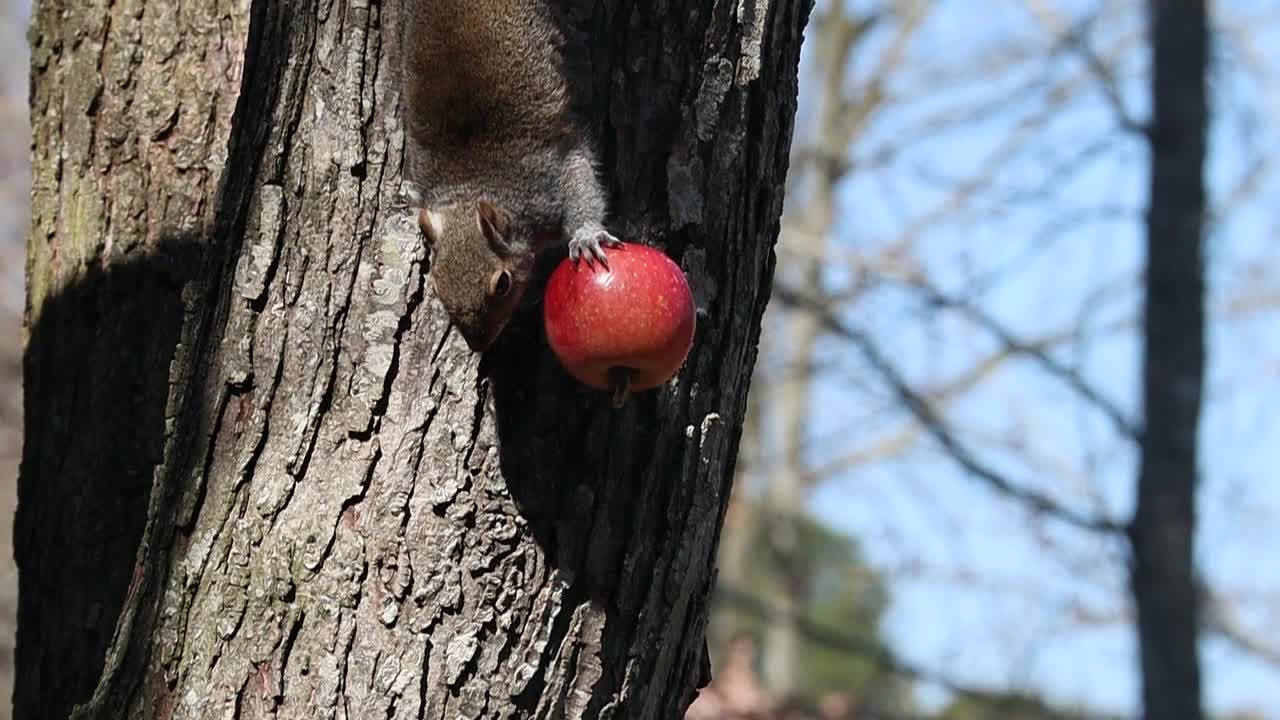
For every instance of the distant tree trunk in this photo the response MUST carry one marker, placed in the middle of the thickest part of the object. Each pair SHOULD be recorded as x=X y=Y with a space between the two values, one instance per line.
x=263 y=479
x=837 y=33
x=786 y=494
x=1163 y=528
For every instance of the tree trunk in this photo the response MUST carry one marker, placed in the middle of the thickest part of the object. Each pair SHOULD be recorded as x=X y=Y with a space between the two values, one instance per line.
x=263 y=479
x=1163 y=528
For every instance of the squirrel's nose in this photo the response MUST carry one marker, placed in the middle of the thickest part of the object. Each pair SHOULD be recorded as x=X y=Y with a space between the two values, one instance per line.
x=478 y=341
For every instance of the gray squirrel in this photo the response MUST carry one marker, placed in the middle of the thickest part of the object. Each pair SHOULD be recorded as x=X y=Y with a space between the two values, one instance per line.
x=496 y=163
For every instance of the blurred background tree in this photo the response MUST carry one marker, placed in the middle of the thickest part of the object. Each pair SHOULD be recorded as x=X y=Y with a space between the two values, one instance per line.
x=837 y=601
x=1012 y=708
x=1006 y=249
x=14 y=193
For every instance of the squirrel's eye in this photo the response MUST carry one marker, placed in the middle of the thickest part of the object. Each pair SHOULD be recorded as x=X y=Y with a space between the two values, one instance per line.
x=500 y=285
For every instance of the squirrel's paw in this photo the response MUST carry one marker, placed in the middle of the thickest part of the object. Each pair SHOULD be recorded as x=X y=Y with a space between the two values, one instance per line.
x=590 y=246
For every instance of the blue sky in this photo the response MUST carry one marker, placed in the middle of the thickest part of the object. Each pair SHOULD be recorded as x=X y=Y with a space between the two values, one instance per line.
x=1001 y=597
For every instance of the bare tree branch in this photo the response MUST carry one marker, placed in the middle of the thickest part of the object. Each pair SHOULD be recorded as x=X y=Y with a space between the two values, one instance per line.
x=882 y=656
x=1075 y=37
x=1122 y=423
x=1222 y=620
x=924 y=413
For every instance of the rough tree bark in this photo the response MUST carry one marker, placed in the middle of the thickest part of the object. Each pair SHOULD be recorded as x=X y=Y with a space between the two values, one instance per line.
x=263 y=479
x=1163 y=529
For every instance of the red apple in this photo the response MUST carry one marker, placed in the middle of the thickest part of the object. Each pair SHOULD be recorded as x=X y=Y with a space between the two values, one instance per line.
x=628 y=326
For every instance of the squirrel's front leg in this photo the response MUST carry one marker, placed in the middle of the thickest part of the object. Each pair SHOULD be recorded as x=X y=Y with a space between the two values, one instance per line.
x=584 y=210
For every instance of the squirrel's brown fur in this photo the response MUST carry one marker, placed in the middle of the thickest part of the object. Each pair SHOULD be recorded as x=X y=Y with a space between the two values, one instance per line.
x=494 y=155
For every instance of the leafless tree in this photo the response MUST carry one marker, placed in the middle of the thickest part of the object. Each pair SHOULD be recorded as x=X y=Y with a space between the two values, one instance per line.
x=926 y=277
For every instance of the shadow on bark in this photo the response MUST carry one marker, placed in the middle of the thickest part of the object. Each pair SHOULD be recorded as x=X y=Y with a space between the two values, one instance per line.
x=601 y=489
x=571 y=464
x=552 y=433
x=96 y=370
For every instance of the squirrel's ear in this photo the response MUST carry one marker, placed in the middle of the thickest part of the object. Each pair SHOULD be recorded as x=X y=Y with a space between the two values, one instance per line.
x=431 y=224
x=494 y=223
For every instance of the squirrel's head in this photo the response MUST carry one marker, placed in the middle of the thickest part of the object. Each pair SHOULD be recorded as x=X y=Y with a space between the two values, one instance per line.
x=479 y=265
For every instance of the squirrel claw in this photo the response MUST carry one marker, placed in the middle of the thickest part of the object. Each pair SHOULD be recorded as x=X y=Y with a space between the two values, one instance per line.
x=591 y=248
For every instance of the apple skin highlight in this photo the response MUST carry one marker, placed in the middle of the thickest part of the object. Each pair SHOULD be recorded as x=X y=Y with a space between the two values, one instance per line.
x=635 y=318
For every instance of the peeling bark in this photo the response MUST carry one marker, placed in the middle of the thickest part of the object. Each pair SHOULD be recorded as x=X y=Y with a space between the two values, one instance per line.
x=262 y=477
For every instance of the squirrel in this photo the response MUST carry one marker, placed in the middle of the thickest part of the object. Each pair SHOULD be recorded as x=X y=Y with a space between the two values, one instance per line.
x=497 y=166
